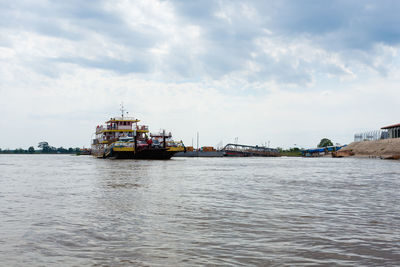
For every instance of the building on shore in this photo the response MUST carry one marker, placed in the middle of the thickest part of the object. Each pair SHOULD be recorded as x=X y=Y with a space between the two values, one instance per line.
x=393 y=131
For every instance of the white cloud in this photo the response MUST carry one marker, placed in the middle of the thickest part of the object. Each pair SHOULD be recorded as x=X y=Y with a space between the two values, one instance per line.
x=226 y=70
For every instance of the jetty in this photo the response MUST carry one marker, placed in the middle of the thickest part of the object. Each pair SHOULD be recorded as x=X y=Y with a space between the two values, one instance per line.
x=237 y=150
x=230 y=150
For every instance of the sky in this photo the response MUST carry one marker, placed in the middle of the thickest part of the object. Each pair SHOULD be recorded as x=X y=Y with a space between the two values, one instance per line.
x=284 y=73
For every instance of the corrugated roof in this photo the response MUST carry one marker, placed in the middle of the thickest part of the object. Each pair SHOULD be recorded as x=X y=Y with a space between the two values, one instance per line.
x=391 y=126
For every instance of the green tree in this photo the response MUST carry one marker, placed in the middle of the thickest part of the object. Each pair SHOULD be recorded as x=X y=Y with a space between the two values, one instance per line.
x=62 y=150
x=31 y=150
x=19 y=151
x=44 y=146
x=325 y=142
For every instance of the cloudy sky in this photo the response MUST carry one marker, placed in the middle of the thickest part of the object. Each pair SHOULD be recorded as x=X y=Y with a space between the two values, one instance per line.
x=287 y=72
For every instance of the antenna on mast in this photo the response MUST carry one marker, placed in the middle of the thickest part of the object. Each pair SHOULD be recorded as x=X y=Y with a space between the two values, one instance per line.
x=122 y=109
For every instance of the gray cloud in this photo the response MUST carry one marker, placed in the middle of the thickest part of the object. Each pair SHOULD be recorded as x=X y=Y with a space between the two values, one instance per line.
x=339 y=24
x=119 y=66
x=230 y=32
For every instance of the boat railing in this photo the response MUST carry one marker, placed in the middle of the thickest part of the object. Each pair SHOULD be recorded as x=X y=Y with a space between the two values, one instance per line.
x=142 y=127
x=123 y=118
x=160 y=134
x=175 y=144
x=100 y=128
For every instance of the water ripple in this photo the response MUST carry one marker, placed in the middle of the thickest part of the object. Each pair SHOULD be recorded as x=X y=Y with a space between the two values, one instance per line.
x=62 y=210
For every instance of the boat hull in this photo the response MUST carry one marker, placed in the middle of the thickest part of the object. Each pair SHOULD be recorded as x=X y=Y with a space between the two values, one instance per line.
x=128 y=150
x=150 y=153
x=154 y=153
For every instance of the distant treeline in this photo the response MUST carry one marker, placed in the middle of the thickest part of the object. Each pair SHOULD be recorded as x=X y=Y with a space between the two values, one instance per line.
x=44 y=148
x=291 y=152
x=31 y=150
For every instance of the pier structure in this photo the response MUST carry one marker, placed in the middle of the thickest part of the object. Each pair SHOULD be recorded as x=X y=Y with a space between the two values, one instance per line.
x=320 y=151
x=237 y=150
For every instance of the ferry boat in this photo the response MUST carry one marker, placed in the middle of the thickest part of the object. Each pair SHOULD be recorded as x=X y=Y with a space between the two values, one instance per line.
x=122 y=138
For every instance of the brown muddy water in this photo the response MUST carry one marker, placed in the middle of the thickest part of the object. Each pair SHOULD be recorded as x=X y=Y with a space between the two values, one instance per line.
x=62 y=210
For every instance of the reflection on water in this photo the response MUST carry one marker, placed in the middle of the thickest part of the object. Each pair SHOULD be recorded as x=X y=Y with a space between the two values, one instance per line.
x=69 y=210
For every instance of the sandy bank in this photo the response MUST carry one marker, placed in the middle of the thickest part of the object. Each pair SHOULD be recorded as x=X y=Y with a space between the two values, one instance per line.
x=388 y=148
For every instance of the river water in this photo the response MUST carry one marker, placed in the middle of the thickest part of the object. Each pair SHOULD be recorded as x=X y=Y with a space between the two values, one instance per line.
x=63 y=210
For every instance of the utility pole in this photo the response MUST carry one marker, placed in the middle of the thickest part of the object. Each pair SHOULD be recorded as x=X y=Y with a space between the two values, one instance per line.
x=197 y=143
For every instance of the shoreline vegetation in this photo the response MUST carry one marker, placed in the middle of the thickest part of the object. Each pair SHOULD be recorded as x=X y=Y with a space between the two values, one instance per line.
x=291 y=152
x=44 y=148
x=59 y=150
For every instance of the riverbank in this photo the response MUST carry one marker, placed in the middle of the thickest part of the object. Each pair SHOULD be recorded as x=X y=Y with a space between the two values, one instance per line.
x=387 y=149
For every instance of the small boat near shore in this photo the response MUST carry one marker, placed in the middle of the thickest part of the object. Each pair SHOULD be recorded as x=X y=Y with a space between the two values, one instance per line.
x=122 y=138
